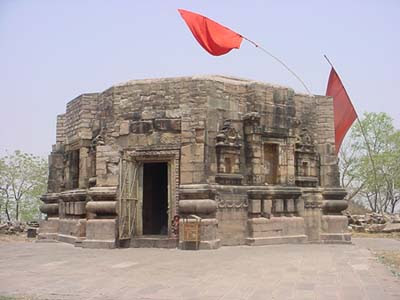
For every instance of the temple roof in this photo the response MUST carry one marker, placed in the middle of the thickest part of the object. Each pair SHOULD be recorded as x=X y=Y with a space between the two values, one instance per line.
x=218 y=78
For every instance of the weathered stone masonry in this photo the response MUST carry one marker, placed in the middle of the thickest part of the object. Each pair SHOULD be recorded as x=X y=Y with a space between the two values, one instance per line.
x=255 y=162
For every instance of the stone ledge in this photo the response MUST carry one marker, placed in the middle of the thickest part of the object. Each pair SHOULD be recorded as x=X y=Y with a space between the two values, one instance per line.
x=50 y=198
x=154 y=242
x=204 y=245
x=66 y=238
x=335 y=238
x=47 y=237
x=73 y=195
x=98 y=244
x=294 y=239
x=102 y=193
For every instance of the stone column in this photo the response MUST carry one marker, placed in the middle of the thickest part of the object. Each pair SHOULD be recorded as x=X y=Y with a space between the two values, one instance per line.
x=101 y=225
x=48 y=228
x=253 y=148
x=72 y=228
x=311 y=202
x=199 y=200
x=333 y=223
x=84 y=165
x=55 y=183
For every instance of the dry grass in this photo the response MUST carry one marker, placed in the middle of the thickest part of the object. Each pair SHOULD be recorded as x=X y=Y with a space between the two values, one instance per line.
x=393 y=235
x=390 y=259
x=20 y=237
x=18 y=298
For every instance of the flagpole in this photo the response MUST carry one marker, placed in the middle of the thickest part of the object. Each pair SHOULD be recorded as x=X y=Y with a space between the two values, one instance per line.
x=362 y=132
x=280 y=61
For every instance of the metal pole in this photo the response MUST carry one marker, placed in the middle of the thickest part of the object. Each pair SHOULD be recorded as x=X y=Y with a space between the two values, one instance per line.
x=281 y=62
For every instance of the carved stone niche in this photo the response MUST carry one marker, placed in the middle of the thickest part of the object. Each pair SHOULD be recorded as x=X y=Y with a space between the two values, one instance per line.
x=306 y=160
x=228 y=155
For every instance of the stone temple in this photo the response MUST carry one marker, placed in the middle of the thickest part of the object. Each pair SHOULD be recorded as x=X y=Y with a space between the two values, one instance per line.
x=212 y=159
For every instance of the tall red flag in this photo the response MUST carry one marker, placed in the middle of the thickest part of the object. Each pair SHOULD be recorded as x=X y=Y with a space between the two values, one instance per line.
x=344 y=112
x=213 y=37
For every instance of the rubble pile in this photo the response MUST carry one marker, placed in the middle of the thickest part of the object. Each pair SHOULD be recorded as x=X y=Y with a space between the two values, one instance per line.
x=12 y=228
x=374 y=222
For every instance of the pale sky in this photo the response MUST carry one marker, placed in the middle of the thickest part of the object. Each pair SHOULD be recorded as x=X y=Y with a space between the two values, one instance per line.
x=52 y=51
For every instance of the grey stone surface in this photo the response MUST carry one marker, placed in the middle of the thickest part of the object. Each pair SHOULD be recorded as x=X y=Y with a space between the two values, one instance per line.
x=309 y=271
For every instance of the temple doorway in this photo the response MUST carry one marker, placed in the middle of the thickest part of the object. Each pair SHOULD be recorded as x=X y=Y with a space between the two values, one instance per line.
x=155 y=198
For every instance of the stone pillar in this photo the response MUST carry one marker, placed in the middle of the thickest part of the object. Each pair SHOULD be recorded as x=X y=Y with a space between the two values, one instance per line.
x=101 y=225
x=253 y=148
x=55 y=183
x=48 y=228
x=199 y=200
x=311 y=212
x=333 y=223
x=84 y=167
x=72 y=228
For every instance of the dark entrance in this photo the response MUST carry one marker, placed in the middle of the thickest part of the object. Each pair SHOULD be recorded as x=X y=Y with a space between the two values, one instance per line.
x=155 y=198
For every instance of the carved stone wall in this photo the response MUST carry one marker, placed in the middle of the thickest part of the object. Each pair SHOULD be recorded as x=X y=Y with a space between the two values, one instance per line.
x=251 y=159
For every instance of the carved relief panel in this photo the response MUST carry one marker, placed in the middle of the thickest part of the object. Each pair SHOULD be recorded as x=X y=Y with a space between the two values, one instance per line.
x=271 y=163
x=306 y=160
x=228 y=155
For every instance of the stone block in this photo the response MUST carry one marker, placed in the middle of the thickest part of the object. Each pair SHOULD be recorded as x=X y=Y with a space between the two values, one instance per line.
x=103 y=148
x=172 y=125
x=141 y=127
x=232 y=226
x=279 y=208
x=255 y=206
x=169 y=138
x=51 y=225
x=267 y=207
x=173 y=113
x=199 y=135
x=275 y=240
x=70 y=229
x=276 y=226
x=334 y=224
x=79 y=208
x=186 y=177
x=124 y=127
x=290 y=205
x=101 y=229
x=198 y=177
x=208 y=229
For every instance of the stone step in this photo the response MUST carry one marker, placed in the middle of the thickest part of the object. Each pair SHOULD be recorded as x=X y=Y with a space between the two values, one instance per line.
x=158 y=241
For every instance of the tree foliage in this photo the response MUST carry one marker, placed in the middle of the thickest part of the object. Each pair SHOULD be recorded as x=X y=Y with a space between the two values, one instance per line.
x=371 y=172
x=23 y=179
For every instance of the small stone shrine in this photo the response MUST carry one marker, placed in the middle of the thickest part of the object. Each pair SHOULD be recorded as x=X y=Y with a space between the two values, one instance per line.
x=252 y=163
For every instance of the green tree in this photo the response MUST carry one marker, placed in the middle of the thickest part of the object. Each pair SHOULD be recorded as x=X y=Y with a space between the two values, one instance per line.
x=376 y=183
x=23 y=179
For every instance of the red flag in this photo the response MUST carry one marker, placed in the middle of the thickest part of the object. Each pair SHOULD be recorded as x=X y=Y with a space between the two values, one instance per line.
x=344 y=112
x=213 y=37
